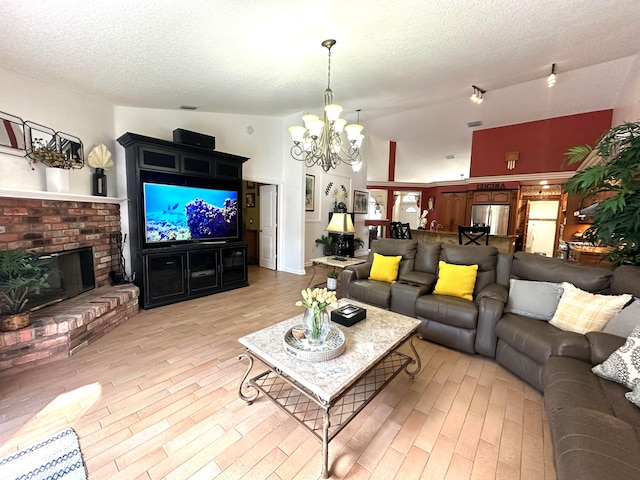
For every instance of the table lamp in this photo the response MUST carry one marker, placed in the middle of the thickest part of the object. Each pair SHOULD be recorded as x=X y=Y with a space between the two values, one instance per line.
x=340 y=223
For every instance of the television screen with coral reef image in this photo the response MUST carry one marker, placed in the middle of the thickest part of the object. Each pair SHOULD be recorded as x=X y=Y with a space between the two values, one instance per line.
x=176 y=213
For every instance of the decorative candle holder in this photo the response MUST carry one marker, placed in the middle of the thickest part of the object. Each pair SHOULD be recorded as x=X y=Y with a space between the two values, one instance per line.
x=100 y=183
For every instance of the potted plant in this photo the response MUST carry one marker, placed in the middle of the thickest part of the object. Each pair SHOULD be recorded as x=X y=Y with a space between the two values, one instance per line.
x=21 y=273
x=328 y=247
x=615 y=174
x=357 y=243
x=332 y=280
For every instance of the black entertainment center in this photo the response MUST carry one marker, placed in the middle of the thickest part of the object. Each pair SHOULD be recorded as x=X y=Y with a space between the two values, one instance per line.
x=184 y=218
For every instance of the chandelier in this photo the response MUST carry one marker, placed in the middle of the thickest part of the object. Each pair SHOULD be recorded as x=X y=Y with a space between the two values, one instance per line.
x=320 y=142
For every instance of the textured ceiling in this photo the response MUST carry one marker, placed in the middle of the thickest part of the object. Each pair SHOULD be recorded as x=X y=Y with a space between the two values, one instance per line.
x=264 y=57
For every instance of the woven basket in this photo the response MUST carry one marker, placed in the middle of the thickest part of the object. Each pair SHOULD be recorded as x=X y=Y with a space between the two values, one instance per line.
x=15 y=321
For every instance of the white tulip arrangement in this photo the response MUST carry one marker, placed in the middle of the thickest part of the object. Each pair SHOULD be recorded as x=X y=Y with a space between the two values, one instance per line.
x=317 y=299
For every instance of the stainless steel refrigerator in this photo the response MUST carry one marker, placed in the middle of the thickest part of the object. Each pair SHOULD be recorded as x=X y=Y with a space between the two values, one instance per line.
x=496 y=216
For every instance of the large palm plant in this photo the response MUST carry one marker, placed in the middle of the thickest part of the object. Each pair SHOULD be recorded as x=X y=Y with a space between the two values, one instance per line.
x=617 y=171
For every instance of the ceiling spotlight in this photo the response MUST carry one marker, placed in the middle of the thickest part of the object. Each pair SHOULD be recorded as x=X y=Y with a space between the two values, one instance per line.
x=478 y=94
x=551 y=79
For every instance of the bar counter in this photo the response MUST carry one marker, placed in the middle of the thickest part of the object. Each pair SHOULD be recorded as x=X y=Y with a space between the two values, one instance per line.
x=504 y=243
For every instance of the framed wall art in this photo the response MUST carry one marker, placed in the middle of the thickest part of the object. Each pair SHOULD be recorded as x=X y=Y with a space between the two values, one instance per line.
x=360 y=201
x=309 y=193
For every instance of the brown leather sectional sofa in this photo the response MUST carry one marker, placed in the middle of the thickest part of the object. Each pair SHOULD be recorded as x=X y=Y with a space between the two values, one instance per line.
x=450 y=321
x=595 y=430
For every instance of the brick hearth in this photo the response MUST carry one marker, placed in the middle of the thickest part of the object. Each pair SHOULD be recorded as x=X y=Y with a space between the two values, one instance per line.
x=58 y=331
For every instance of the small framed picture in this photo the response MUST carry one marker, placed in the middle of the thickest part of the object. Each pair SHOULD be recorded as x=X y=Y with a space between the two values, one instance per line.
x=309 y=192
x=360 y=201
x=251 y=185
x=251 y=200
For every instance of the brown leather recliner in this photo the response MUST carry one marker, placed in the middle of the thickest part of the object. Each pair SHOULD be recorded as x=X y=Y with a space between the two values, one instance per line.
x=355 y=279
x=463 y=324
x=525 y=344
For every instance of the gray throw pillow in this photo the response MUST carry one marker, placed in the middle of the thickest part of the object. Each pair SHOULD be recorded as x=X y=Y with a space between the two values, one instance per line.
x=533 y=299
x=623 y=365
x=625 y=321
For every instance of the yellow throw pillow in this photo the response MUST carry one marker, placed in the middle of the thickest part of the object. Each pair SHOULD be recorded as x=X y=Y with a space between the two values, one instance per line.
x=385 y=269
x=581 y=312
x=456 y=280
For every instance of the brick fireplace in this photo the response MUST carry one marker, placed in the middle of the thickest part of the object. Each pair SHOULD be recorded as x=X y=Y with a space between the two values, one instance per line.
x=55 y=225
x=48 y=226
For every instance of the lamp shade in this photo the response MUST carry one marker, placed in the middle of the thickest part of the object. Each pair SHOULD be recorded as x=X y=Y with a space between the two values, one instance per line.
x=315 y=127
x=297 y=133
x=333 y=111
x=353 y=131
x=309 y=117
x=340 y=223
x=339 y=124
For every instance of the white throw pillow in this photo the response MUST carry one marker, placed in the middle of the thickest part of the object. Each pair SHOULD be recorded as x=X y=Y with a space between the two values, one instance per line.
x=581 y=312
x=533 y=299
x=623 y=365
x=634 y=395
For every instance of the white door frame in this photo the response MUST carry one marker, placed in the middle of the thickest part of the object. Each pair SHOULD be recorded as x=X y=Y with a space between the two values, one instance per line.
x=280 y=209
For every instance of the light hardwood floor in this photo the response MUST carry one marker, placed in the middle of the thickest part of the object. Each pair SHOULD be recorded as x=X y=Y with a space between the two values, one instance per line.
x=157 y=398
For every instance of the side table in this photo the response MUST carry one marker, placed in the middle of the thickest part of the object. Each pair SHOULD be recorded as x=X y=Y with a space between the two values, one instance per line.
x=332 y=262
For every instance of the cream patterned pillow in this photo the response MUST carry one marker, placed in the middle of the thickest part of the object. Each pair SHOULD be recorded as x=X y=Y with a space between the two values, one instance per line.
x=581 y=312
x=623 y=365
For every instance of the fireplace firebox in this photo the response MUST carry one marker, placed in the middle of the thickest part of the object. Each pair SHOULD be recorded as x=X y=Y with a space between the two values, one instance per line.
x=70 y=274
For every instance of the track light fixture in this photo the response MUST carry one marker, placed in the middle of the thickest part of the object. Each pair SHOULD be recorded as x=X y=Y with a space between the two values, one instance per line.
x=478 y=94
x=551 y=79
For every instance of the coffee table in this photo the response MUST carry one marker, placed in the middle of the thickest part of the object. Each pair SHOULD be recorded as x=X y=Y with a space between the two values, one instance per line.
x=325 y=396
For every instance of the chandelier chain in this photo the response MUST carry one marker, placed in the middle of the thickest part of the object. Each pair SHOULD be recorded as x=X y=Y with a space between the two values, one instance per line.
x=329 y=70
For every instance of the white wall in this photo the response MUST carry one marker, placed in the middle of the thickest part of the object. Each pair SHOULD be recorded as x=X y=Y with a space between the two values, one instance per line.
x=84 y=116
x=317 y=221
x=628 y=106
x=96 y=120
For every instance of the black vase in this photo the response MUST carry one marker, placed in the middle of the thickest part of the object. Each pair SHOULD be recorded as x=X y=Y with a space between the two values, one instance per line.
x=100 y=183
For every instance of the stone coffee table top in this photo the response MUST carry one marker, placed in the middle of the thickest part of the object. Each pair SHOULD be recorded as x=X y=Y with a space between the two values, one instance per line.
x=367 y=342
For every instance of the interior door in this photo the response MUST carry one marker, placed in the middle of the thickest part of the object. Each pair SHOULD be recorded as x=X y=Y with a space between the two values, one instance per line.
x=268 y=226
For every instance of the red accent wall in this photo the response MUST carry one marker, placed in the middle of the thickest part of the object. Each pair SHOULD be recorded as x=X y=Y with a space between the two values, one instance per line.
x=541 y=144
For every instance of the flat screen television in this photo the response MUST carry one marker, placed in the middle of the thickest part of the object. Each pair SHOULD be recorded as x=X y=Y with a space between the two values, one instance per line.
x=177 y=213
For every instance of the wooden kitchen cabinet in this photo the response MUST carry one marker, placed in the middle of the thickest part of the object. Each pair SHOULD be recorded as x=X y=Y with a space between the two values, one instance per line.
x=454 y=211
x=492 y=197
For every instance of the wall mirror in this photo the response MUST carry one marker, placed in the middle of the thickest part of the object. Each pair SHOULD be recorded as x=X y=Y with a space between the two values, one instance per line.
x=39 y=144
x=12 y=135
x=71 y=147
x=39 y=137
x=53 y=149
